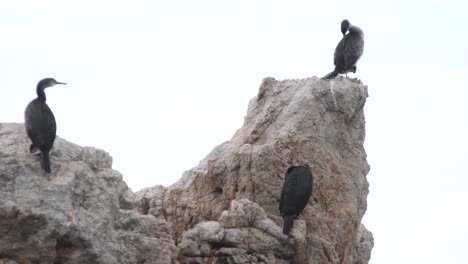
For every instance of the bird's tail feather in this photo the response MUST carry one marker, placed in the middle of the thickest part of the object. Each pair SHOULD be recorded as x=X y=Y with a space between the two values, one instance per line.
x=331 y=75
x=45 y=162
x=288 y=224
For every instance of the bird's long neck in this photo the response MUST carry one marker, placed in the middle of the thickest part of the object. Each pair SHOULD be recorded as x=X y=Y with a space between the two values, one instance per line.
x=40 y=92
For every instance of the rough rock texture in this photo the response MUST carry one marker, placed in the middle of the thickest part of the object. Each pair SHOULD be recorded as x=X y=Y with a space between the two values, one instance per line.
x=80 y=213
x=242 y=234
x=366 y=243
x=225 y=210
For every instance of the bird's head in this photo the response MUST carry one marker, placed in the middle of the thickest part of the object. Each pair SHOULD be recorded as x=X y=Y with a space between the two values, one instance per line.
x=48 y=82
x=345 y=26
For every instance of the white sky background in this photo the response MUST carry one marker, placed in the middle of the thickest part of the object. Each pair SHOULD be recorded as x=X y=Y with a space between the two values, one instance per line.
x=158 y=85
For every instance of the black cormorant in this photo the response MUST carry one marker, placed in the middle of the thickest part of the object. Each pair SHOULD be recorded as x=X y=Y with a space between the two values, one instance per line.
x=40 y=123
x=296 y=192
x=348 y=51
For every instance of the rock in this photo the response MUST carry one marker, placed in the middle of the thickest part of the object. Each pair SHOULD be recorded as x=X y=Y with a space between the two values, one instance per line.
x=7 y=261
x=235 y=190
x=243 y=234
x=80 y=213
x=225 y=210
x=365 y=245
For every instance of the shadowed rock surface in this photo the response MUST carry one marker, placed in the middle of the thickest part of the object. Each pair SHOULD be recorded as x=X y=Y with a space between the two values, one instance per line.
x=225 y=210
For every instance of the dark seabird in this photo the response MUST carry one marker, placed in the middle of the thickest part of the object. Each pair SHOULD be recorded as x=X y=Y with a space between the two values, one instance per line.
x=348 y=51
x=297 y=189
x=40 y=123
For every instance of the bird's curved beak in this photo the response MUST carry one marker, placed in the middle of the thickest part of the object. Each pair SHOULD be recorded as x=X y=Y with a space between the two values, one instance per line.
x=61 y=83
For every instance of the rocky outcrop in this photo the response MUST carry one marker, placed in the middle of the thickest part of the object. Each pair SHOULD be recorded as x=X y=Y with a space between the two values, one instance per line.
x=80 y=213
x=225 y=210
x=291 y=122
x=242 y=234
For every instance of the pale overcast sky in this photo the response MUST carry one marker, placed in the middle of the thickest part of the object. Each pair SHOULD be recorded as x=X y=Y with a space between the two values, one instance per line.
x=158 y=85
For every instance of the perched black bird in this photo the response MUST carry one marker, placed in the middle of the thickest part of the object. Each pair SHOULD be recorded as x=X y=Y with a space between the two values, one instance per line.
x=348 y=51
x=40 y=123
x=297 y=189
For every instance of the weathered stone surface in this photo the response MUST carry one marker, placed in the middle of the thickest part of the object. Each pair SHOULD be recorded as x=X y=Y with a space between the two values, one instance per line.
x=366 y=243
x=292 y=122
x=7 y=261
x=80 y=213
x=242 y=234
x=225 y=210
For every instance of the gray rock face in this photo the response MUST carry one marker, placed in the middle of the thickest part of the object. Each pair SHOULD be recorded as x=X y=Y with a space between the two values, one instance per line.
x=291 y=122
x=242 y=234
x=225 y=210
x=365 y=245
x=80 y=213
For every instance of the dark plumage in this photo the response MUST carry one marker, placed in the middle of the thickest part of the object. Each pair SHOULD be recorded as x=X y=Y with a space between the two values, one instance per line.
x=344 y=26
x=296 y=192
x=348 y=51
x=39 y=122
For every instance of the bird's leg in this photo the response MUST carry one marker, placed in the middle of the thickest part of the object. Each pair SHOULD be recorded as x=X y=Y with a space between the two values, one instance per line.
x=34 y=150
